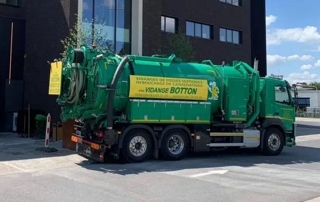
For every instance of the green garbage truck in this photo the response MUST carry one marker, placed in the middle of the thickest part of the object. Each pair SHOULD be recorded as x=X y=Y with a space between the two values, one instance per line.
x=134 y=107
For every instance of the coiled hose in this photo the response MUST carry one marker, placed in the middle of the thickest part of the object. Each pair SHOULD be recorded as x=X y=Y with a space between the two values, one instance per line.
x=76 y=86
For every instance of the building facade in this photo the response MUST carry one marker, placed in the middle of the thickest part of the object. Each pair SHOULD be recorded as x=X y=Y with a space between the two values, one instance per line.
x=219 y=30
x=12 y=50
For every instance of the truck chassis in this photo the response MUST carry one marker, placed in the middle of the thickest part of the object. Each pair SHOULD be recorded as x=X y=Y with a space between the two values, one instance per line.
x=138 y=142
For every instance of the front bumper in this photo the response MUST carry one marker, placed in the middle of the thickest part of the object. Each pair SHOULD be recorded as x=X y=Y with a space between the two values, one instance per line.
x=89 y=149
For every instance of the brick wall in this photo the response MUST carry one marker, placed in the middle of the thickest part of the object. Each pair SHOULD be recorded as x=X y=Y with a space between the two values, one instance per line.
x=13 y=11
x=151 y=26
x=258 y=27
x=47 y=23
x=210 y=12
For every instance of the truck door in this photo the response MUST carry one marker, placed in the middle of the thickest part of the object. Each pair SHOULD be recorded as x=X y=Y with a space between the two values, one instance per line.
x=283 y=107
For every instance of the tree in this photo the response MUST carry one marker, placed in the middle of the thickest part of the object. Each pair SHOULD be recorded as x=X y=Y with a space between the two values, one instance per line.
x=83 y=33
x=315 y=85
x=180 y=45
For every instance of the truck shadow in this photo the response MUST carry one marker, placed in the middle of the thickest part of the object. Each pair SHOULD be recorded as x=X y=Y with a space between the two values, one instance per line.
x=212 y=160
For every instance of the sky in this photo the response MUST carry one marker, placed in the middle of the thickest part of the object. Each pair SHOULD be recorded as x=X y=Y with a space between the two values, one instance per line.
x=293 y=39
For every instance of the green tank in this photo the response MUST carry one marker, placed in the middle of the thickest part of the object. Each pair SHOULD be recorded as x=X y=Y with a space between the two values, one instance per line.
x=92 y=76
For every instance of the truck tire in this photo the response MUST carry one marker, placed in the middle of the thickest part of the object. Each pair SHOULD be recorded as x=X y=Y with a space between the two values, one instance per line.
x=137 y=146
x=174 y=144
x=273 y=142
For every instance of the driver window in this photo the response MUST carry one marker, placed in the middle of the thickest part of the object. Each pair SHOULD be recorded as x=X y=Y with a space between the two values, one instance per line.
x=281 y=95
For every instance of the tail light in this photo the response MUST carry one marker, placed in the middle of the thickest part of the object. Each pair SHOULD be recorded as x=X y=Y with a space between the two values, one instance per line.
x=100 y=134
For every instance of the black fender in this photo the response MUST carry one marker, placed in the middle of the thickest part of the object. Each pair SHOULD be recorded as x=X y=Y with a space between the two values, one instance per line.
x=137 y=126
x=175 y=127
x=271 y=122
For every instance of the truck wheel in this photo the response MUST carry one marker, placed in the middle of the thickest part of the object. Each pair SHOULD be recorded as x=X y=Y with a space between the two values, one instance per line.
x=174 y=145
x=273 y=142
x=137 y=146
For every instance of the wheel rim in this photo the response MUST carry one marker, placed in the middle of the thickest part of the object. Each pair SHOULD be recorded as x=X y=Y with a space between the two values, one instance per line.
x=175 y=144
x=138 y=146
x=274 y=142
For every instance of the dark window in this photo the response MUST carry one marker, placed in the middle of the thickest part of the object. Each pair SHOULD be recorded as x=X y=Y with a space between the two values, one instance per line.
x=223 y=35
x=233 y=2
x=112 y=23
x=190 y=28
x=206 y=31
x=10 y=2
x=168 y=24
x=236 y=2
x=199 y=30
x=235 y=37
x=231 y=36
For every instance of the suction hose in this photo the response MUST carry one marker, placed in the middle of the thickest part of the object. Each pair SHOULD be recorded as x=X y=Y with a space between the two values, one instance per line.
x=77 y=79
x=112 y=89
x=76 y=86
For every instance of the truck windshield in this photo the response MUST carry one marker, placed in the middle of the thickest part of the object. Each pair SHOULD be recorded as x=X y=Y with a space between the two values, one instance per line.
x=282 y=95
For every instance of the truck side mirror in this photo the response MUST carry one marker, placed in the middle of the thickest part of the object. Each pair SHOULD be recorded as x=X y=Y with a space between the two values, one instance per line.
x=282 y=89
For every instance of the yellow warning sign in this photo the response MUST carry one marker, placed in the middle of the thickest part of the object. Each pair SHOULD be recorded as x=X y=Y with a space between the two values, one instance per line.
x=55 y=78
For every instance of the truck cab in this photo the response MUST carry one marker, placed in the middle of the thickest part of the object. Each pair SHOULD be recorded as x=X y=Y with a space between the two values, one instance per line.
x=278 y=109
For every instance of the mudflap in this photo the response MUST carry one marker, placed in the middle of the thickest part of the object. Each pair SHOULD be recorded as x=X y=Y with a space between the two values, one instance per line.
x=90 y=150
x=90 y=153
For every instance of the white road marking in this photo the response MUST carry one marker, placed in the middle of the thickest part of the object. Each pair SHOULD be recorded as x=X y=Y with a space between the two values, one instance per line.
x=308 y=138
x=219 y=172
x=314 y=200
x=16 y=167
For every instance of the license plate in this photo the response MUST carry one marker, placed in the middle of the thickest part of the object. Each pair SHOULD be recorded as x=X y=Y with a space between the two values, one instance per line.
x=87 y=152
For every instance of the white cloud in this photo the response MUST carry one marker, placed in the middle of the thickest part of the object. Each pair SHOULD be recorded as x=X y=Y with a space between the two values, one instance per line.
x=274 y=60
x=317 y=64
x=308 y=34
x=306 y=67
x=270 y=19
x=317 y=49
x=302 y=58
x=302 y=77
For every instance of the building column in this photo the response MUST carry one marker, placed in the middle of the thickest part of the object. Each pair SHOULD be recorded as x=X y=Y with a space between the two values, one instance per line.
x=79 y=16
x=136 y=27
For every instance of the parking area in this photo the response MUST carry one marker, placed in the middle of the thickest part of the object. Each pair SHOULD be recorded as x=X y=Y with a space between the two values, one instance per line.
x=220 y=176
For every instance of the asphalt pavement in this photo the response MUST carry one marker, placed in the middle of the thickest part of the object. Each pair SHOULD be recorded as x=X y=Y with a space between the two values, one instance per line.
x=27 y=175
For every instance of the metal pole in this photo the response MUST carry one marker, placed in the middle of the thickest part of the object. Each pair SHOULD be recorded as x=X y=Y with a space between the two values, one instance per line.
x=93 y=20
x=11 y=44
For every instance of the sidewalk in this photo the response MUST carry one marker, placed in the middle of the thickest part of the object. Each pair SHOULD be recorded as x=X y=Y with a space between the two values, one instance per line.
x=19 y=154
x=14 y=147
x=308 y=122
x=303 y=119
